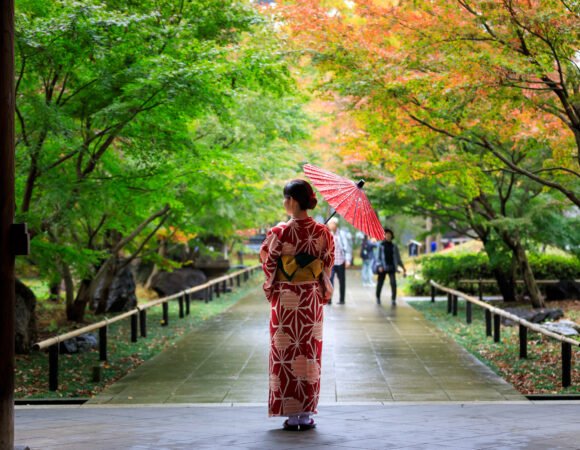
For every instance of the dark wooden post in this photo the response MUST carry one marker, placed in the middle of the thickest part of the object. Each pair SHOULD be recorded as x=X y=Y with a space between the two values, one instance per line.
x=231 y=282
x=53 y=367
x=487 y=322
x=496 y=326
x=455 y=301
x=449 y=303
x=165 y=307
x=523 y=341
x=134 y=326
x=143 y=322
x=7 y=295
x=187 y=304
x=238 y=281
x=181 y=307
x=566 y=364
x=103 y=343
x=480 y=288
x=210 y=293
x=432 y=294
x=217 y=290
x=468 y=311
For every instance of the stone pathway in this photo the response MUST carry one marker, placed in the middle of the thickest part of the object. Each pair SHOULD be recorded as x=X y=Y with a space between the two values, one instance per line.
x=371 y=354
x=395 y=425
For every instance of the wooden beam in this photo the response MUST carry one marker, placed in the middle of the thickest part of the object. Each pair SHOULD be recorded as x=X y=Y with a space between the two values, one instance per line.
x=7 y=295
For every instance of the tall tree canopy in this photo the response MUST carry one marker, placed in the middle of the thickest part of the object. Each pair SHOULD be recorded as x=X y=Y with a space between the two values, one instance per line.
x=140 y=115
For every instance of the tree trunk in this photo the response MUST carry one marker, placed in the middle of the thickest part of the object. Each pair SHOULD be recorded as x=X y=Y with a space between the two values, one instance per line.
x=506 y=284
x=514 y=243
x=529 y=280
x=75 y=310
x=54 y=291
x=162 y=252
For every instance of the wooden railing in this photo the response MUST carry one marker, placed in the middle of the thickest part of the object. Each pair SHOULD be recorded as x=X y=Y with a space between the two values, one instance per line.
x=138 y=318
x=493 y=320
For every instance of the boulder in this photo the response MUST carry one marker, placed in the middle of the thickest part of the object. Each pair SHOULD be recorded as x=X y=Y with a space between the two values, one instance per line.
x=25 y=326
x=564 y=327
x=168 y=283
x=121 y=296
x=79 y=344
x=563 y=290
x=538 y=315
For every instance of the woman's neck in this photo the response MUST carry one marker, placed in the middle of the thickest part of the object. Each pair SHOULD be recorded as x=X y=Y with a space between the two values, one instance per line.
x=299 y=215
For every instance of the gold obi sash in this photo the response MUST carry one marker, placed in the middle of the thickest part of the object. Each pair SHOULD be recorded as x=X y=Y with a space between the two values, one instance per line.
x=300 y=267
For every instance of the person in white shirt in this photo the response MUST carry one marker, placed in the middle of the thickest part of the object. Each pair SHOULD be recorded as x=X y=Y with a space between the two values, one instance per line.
x=342 y=255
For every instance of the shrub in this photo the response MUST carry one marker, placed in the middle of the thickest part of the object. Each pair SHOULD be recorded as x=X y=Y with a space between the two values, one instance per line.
x=449 y=269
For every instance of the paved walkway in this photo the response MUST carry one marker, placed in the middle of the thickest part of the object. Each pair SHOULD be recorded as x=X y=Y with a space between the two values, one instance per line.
x=395 y=425
x=376 y=359
x=371 y=354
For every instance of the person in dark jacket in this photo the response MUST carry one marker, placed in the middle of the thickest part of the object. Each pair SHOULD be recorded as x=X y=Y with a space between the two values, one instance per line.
x=389 y=259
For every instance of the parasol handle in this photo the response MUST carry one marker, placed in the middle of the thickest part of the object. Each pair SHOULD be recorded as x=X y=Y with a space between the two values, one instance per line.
x=359 y=185
x=330 y=217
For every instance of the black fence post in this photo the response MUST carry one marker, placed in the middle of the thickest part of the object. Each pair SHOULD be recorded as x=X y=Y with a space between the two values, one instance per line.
x=238 y=280
x=187 y=304
x=103 y=343
x=217 y=290
x=134 y=326
x=449 y=303
x=566 y=364
x=468 y=311
x=487 y=322
x=523 y=341
x=181 y=307
x=231 y=282
x=432 y=294
x=143 y=322
x=496 y=326
x=480 y=289
x=165 y=306
x=53 y=367
x=455 y=300
x=225 y=286
x=210 y=292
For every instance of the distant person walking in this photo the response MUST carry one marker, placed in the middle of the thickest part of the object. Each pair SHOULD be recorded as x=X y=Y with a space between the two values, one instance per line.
x=342 y=256
x=388 y=261
x=297 y=258
x=367 y=255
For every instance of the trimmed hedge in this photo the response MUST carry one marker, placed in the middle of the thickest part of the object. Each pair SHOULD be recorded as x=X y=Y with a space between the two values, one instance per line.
x=449 y=269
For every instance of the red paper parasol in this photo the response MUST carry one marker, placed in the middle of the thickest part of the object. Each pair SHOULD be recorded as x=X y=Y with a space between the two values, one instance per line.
x=348 y=199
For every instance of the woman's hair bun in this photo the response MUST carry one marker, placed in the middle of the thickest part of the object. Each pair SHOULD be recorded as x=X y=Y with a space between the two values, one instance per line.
x=302 y=192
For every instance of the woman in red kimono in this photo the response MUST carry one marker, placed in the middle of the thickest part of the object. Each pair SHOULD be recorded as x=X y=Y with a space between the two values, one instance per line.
x=297 y=258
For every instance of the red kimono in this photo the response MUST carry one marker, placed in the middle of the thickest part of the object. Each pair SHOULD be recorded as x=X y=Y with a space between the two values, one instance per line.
x=296 y=316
